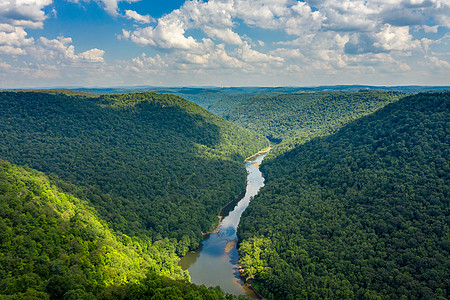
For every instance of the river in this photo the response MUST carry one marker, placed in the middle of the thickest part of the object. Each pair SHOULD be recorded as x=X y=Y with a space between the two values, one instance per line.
x=215 y=263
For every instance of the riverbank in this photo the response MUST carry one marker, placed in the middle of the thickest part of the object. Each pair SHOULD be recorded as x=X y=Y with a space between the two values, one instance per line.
x=248 y=283
x=223 y=213
x=230 y=205
x=260 y=153
x=215 y=263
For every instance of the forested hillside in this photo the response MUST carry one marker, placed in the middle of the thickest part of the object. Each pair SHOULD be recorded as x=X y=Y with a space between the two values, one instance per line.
x=53 y=246
x=360 y=214
x=299 y=116
x=222 y=106
x=152 y=165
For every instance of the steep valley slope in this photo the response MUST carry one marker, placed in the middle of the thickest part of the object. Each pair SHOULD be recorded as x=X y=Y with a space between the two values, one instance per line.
x=360 y=214
x=152 y=165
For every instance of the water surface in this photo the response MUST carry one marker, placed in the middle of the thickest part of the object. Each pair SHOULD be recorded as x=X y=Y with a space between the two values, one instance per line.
x=211 y=265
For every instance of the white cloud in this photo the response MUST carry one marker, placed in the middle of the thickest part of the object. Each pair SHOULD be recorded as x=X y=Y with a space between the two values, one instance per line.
x=395 y=38
x=112 y=6
x=93 y=55
x=125 y=35
x=4 y=65
x=14 y=36
x=438 y=63
x=9 y=50
x=61 y=50
x=215 y=59
x=348 y=16
x=25 y=13
x=131 y=14
x=430 y=29
x=328 y=35
x=13 y=40
x=217 y=19
x=246 y=54
x=168 y=34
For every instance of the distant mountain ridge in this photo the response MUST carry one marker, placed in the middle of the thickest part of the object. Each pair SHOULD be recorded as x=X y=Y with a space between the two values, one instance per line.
x=207 y=96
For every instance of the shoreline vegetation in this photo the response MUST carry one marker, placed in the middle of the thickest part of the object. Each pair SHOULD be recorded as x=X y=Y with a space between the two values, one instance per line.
x=223 y=213
x=232 y=243
x=230 y=205
x=248 y=283
x=265 y=150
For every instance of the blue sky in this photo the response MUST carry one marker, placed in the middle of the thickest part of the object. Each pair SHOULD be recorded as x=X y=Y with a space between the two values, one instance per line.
x=51 y=43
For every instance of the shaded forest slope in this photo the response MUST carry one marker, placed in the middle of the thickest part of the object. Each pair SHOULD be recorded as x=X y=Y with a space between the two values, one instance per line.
x=297 y=117
x=363 y=213
x=151 y=164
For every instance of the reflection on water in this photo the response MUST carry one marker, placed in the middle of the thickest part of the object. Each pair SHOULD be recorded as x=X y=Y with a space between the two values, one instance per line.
x=211 y=265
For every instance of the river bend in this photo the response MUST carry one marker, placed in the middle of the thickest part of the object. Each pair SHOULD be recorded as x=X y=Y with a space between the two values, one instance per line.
x=216 y=263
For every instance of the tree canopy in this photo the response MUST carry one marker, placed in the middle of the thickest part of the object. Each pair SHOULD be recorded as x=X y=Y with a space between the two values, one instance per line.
x=54 y=246
x=295 y=118
x=152 y=165
x=362 y=214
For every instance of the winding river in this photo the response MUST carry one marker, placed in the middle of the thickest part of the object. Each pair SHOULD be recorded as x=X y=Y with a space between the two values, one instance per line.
x=215 y=263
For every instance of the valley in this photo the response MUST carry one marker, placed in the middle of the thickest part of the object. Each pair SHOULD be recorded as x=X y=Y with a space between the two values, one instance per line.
x=224 y=150
x=216 y=261
x=105 y=191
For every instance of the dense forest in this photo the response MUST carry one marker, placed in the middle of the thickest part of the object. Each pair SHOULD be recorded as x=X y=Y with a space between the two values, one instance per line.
x=303 y=115
x=152 y=165
x=360 y=214
x=222 y=106
x=53 y=246
x=126 y=183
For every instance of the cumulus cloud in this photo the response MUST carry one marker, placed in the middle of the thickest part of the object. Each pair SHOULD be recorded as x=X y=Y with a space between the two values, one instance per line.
x=395 y=38
x=93 y=55
x=4 y=65
x=361 y=43
x=13 y=40
x=168 y=34
x=25 y=13
x=438 y=63
x=131 y=14
x=217 y=58
x=61 y=50
x=312 y=38
x=329 y=35
x=213 y=18
x=144 y=61
x=245 y=53
x=112 y=6
x=371 y=24
x=430 y=29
